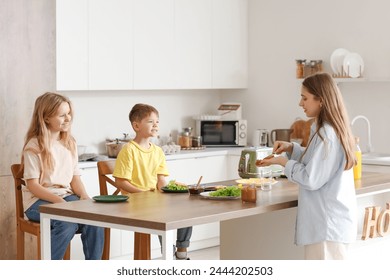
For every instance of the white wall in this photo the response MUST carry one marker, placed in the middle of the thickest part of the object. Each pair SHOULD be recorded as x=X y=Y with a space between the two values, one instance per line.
x=280 y=32
x=101 y=115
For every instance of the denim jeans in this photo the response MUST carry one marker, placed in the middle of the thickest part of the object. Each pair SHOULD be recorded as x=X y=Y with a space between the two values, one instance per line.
x=182 y=237
x=62 y=233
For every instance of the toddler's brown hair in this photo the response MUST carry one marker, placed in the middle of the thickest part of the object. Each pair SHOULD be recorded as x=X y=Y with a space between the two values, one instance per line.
x=141 y=111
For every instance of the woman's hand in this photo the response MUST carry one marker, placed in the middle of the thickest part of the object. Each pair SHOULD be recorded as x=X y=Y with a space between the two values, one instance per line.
x=272 y=160
x=282 y=146
x=279 y=147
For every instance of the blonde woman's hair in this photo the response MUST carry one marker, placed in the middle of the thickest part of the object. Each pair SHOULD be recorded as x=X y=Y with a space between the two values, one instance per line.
x=45 y=107
x=333 y=111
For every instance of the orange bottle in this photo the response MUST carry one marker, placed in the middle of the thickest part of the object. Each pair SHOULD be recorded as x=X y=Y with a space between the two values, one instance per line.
x=357 y=169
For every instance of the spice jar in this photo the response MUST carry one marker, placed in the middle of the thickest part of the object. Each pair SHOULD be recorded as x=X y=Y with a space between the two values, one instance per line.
x=249 y=194
x=306 y=69
x=196 y=141
x=184 y=140
x=319 y=65
x=300 y=66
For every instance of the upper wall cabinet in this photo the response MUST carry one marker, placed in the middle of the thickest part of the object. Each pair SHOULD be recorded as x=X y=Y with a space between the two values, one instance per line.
x=230 y=43
x=72 y=44
x=193 y=43
x=151 y=44
x=154 y=44
x=110 y=44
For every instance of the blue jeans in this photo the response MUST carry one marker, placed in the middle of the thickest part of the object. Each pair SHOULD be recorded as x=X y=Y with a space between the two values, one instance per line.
x=182 y=237
x=62 y=233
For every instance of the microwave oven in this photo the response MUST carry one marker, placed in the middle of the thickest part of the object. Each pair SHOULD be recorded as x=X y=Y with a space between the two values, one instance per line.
x=222 y=133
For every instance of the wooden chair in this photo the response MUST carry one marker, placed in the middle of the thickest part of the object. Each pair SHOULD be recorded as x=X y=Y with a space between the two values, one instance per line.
x=23 y=225
x=141 y=240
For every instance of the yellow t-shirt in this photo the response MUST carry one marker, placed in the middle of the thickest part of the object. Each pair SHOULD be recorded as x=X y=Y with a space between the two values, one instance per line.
x=140 y=166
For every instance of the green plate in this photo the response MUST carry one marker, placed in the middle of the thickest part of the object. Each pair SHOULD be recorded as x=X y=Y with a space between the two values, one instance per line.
x=165 y=189
x=110 y=198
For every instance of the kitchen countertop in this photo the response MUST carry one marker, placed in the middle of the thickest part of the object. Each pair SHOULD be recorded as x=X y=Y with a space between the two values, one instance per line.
x=185 y=154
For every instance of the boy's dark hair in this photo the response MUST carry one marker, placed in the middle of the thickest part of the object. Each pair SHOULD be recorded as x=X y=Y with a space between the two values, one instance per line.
x=140 y=111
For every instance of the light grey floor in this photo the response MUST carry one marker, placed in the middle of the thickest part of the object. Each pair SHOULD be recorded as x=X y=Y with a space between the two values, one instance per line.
x=211 y=253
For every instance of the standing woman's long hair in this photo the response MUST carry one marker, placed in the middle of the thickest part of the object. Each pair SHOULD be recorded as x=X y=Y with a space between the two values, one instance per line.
x=45 y=107
x=333 y=111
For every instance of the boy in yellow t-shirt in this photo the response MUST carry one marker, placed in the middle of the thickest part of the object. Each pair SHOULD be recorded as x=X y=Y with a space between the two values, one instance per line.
x=141 y=166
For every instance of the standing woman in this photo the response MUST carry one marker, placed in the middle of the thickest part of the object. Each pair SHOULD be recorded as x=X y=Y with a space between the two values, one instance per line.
x=52 y=176
x=327 y=215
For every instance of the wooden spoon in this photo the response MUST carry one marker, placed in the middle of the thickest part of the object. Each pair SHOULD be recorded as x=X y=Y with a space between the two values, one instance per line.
x=200 y=179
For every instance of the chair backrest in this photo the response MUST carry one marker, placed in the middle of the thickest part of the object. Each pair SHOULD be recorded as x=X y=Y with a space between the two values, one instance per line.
x=106 y=168
x=17 y=172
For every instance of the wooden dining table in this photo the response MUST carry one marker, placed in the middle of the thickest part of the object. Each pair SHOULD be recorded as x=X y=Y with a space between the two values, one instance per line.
x=162 y=213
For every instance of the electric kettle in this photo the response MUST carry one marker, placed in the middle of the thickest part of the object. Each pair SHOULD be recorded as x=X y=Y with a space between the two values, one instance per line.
x=247 y=165
x=260 y=138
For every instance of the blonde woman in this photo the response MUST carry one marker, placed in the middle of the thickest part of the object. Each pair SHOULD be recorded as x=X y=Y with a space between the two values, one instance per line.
x=51 y=173
x=326 y=218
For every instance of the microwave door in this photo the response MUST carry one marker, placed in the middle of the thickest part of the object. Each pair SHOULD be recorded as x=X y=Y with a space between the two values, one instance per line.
x=211 y=134
x=219 y=133
x=212 y=138
x=229 y=132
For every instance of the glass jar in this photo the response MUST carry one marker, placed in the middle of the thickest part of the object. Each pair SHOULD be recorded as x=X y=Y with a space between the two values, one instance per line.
x=313 y=67
x=196 y=141
x=249 y=193
x=319 y=66
x=300 y=66
x=184 y=140
x=306 y=69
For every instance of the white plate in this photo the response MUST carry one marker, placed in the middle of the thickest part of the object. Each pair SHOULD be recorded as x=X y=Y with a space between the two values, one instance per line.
x=353 y=65
x=207 y=195
x=255 y=181
x=337 y=60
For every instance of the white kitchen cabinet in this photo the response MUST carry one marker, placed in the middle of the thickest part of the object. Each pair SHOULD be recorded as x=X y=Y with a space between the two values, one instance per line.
x=110 y=41
x=188 y=171
x=72 y=44
x=232 y=167
x=154 y=44
x=89 y=177
x=151 y=44
x=230 y=43
x=193 y=43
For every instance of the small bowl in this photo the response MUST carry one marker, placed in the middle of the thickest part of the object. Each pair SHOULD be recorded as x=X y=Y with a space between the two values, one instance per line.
x=195 y=190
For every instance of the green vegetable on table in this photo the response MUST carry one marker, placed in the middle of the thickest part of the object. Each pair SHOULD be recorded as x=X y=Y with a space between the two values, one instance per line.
x=173 y=186
x=228 y=191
